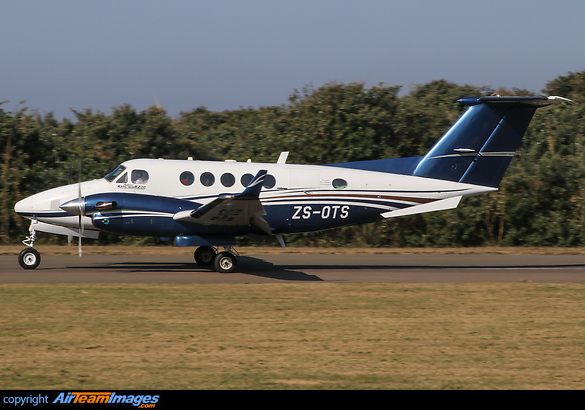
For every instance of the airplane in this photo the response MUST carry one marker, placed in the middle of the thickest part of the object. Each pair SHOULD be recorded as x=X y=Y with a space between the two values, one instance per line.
x=208 y=204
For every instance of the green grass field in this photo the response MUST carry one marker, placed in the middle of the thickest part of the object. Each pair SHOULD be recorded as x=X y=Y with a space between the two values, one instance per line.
x=293 y=336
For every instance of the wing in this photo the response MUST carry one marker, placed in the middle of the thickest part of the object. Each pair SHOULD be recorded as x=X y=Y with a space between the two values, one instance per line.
x=239 y=210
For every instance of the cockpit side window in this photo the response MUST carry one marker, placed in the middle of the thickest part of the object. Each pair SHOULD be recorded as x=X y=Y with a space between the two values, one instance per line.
x=115 y=173
x=139 y=176
x=123 y=179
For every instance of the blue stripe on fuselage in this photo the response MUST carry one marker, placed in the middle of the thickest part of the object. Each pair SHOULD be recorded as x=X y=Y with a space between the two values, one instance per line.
x=281 y=218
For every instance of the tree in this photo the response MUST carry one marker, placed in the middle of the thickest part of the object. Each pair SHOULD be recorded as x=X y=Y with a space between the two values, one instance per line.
x=540 y=201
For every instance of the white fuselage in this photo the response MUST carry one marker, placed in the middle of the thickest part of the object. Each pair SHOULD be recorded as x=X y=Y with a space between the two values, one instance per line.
x=299 y=197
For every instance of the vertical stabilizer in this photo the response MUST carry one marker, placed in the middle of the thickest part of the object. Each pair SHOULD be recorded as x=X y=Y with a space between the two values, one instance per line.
x=478 y=148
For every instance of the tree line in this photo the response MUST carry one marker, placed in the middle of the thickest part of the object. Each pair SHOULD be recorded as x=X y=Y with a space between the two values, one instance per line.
x=541 y=201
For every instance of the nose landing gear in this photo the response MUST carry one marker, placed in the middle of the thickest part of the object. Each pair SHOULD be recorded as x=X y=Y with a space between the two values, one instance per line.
x=222 y=262
x=30 y=258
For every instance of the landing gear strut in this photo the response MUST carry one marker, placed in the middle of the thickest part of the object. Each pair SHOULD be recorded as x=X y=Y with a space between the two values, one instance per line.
x=30 y=258
x=222 y=262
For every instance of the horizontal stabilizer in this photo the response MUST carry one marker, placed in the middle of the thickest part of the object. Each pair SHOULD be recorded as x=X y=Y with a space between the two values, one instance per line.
x=540 y=101
x=439 y=205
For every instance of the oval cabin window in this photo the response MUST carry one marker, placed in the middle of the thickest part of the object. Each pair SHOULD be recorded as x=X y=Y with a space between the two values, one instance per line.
x=207 y=179
x=339 y=183
x=227 y=179
x=246 y=179
x=269 y=181
x=187 y=178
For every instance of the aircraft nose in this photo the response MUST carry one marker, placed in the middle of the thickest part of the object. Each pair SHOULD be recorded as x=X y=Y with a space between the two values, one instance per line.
x=25 y=206
x=75 y=206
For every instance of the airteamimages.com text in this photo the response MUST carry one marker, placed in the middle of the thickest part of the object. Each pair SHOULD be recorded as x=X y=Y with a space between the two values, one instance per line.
x=82 y=398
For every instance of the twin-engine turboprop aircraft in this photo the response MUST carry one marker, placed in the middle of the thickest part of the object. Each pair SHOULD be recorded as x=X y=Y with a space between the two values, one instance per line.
x=208 y=204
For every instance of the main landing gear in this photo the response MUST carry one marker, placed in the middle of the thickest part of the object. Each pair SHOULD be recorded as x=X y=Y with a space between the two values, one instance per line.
x=30 y=258
x=222 y=262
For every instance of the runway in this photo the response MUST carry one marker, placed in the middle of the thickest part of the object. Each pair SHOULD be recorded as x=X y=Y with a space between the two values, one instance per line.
x=280 y=268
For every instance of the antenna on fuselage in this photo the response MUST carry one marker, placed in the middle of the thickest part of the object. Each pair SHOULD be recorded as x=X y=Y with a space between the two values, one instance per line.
x=282 y=158
x=156 y=102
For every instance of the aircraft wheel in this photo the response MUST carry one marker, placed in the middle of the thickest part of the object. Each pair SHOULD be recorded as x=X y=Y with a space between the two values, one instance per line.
x=225 y=262
x=204 y=255
x=29 y=258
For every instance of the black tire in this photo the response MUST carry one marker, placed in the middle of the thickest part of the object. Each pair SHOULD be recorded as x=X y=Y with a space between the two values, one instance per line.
x=204 y=255
x=225 y=262
x=29 y=258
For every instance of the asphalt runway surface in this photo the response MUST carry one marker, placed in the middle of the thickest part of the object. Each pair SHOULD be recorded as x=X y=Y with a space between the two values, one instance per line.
x=279 y=268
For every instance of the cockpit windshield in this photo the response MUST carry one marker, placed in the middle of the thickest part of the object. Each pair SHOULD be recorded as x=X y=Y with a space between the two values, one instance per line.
x=112 y=175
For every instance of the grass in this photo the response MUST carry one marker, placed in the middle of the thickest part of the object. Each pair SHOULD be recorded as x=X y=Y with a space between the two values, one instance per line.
x=293 y=336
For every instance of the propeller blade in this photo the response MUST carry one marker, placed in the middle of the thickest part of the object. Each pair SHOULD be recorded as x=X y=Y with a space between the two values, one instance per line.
x=79 y=178
x=81 y=211
x=79 y=238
